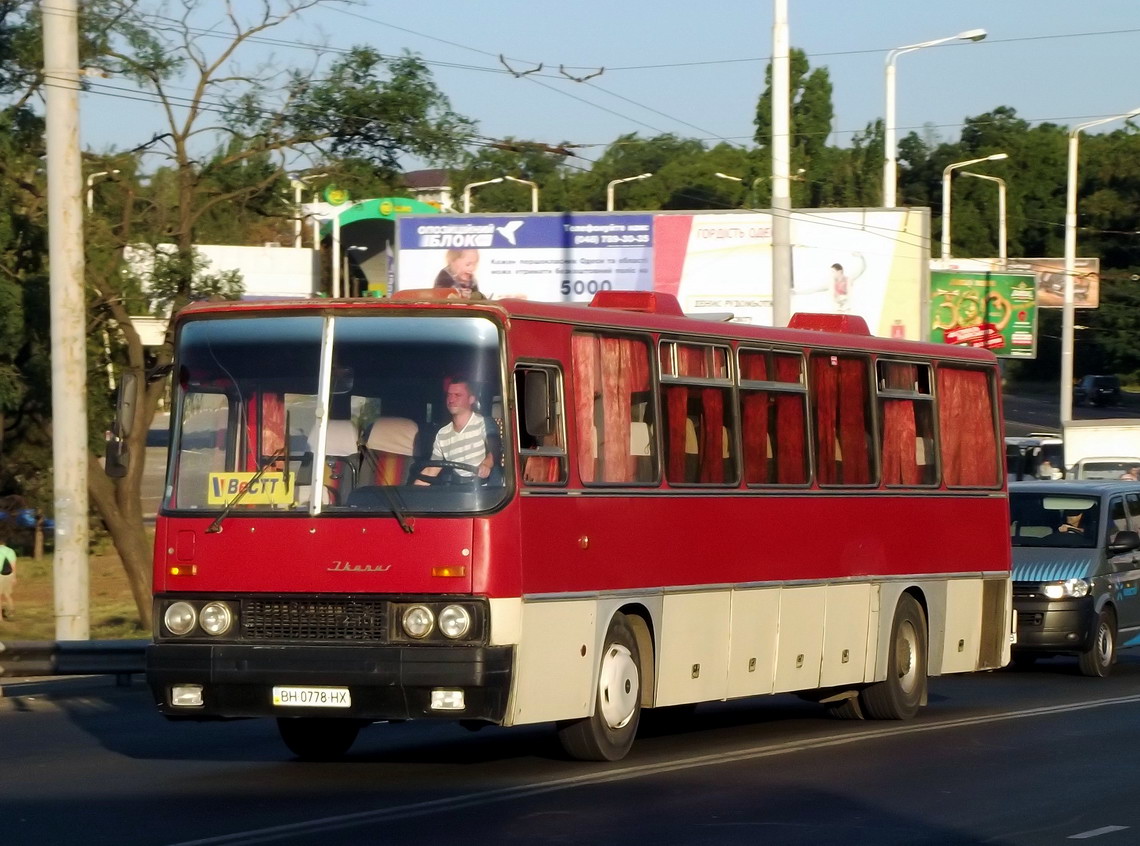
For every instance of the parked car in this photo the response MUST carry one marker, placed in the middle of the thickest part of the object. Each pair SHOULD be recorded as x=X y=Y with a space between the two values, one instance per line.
x=1097 y=390
x=1076 y=564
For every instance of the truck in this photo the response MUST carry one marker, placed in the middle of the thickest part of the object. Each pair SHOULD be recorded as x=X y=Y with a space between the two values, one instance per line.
x=1115 y=439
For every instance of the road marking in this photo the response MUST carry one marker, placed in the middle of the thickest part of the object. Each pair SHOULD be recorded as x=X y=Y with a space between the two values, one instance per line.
x=611 y=774
x=1097 y=832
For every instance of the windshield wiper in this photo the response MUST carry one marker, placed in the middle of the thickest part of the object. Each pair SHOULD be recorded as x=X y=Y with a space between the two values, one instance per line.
x=395 y=501
x=216 y=526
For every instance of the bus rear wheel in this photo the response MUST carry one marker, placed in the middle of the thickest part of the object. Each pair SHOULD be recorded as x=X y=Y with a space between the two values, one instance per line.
x=318 y=738
x=608 y=733
x=899 y=696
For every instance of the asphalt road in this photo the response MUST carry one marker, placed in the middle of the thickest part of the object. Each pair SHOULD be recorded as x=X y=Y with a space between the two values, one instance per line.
x=1017 y=758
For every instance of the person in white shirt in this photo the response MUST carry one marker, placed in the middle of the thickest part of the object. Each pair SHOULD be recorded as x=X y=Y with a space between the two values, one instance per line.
x=464 y=439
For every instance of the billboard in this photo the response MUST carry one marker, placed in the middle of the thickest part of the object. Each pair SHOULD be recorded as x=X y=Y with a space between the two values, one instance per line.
x=868 y=262
x=994 y=311
x=1050 y=274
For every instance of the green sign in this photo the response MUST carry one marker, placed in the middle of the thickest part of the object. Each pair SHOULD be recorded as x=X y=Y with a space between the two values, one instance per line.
x=994 y=311
x=336 y=196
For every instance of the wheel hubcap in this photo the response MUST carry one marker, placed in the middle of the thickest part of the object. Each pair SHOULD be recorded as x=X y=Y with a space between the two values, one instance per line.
x=906 y=657
x=619 y=686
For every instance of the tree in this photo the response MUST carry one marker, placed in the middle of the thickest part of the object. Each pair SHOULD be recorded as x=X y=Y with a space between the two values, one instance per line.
x=224 y=150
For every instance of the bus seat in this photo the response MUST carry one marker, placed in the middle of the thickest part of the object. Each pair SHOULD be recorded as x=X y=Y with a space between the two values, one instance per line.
x=391 y=445
x=341 y=447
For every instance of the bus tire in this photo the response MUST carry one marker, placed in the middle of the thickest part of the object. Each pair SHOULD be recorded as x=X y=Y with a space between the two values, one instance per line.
x=608 y=733
x=318 y=738
x=1097 y=660
x=899 y=696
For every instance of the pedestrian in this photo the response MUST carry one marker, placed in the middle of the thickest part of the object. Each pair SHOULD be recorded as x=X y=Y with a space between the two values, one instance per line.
x=7 y=578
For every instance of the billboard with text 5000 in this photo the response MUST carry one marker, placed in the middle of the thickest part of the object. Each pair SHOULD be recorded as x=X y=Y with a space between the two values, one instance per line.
x=551 y=258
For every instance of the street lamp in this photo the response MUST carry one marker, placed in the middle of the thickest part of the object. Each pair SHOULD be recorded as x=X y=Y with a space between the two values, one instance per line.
x=298 y=187
x=467 y=191
x=1068 y=311
x=613 y=182
x=946 y=195
x=1002 y=239
x=745 y=202
x=91 y=187
x=533 y=190
x=890 y=166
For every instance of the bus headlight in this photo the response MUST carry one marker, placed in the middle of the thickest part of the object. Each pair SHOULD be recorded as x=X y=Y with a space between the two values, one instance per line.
x=216 y=618
x=454 y=621
x=179 y=618
x=1069 y=587
x=418 y=621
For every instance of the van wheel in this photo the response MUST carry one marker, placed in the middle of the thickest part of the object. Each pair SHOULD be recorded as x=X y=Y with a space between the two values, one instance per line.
x=1098 y=659
x=608 y=733
x=899 y=696
x=318 y=738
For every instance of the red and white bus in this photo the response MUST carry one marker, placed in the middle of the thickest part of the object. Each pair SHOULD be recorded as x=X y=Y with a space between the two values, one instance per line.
x=676 y=511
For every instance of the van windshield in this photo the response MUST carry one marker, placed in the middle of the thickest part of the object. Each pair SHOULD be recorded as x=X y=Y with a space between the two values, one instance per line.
x=1049 y=520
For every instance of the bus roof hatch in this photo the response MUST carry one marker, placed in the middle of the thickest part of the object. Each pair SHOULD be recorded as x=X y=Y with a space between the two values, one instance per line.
x=647 y=302
x=849 y=324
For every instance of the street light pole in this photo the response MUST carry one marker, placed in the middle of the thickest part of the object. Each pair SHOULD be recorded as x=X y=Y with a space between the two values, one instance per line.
x=1068 y=313
x=890 y=165
x=91 y=187
x=298 y=187
x=613 y=182
x=1002 y=238
x=946 y=171
x=533 y=190
x=467 y=192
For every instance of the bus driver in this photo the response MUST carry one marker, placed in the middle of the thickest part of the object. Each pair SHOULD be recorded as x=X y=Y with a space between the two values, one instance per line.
x=464 y=439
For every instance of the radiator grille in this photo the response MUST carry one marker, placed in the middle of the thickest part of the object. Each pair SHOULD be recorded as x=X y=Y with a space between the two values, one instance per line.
x=314 y=619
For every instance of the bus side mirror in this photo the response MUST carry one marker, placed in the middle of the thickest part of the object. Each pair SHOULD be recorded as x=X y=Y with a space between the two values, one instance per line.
x=118 y=458
x=537 y=405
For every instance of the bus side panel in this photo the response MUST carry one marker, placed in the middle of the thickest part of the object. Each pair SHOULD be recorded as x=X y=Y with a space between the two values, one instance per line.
x=800 y=648
x=963 y=626
x=845 y=634
x=752 y=650
x=555 y=661
x=693 y=646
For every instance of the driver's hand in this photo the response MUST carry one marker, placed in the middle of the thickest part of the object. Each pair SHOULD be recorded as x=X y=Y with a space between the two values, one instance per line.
x=484 y=471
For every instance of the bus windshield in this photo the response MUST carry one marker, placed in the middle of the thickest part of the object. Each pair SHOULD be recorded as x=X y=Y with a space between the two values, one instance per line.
x=346 y=414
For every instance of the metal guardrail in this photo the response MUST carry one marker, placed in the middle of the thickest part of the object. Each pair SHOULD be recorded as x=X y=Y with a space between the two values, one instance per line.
x=72 y=657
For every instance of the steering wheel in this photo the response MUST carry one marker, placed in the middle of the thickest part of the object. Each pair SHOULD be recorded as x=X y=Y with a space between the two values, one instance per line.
x=449 y=478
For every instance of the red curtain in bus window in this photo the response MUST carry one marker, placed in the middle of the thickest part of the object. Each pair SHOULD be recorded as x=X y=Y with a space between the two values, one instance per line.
x=791 y=427
x=264 y=428
x=712 y=435
x=676 y=411
x=585 y=349
x=853 y=421
x=617 y=381
x=900 y=465
x=754 y=419
x=969 y=445
x=825 y=399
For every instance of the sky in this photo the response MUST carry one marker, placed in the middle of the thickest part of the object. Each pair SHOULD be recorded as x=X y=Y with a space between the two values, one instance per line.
x=697 y=69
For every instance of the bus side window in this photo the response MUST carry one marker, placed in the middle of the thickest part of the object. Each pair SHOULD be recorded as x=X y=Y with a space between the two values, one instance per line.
x=841 y=406
x=612 y=396
x=541 y=439
x=906 y=415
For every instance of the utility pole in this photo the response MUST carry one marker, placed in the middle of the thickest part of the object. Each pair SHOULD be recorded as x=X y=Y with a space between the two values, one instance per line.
x=781 y=168
x=68 y=318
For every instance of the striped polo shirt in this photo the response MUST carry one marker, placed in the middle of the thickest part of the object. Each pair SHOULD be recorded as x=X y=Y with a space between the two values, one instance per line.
x=467 y=445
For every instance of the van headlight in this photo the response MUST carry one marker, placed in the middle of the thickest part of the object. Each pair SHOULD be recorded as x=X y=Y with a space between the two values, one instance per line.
x=1069 y=587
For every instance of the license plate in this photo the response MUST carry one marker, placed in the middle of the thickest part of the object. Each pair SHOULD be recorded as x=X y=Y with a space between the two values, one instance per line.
x=311 y=697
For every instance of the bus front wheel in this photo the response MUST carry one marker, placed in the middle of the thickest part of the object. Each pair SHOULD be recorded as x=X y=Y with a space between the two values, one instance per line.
x=608 y=733
x=899 y=696
x=318 y=738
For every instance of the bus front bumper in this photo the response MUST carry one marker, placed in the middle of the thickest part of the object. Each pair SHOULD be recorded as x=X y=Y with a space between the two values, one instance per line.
x=378 y=682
